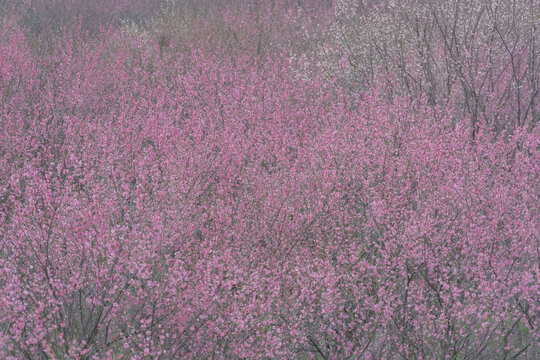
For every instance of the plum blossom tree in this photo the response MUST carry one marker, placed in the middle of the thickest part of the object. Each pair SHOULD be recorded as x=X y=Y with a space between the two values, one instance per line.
x=212 y=204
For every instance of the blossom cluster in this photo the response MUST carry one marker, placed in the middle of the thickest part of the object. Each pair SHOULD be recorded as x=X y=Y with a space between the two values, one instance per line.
x=163 y=202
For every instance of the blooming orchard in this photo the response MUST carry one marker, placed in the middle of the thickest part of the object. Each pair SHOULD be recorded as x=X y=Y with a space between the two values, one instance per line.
x=212 y=204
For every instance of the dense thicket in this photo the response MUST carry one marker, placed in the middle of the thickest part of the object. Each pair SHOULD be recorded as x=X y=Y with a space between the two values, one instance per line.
x=356 y=180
